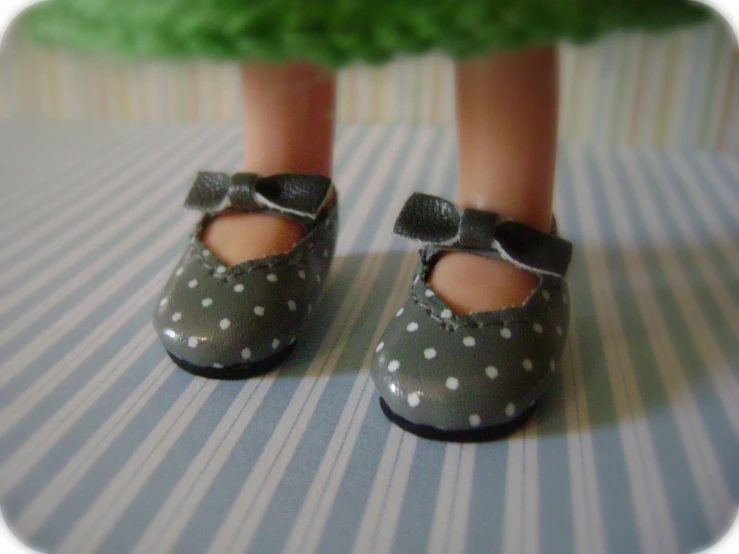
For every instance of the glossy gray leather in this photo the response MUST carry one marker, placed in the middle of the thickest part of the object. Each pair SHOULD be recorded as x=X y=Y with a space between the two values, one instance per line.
x=464 y=372
x=212 y=315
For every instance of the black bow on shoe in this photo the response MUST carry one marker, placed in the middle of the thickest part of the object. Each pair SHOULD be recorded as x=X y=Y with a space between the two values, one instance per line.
x=301 y=195
x=439 y=222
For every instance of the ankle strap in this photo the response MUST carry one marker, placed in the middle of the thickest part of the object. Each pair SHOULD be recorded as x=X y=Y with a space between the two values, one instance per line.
x=295 y=195
x=439 y=222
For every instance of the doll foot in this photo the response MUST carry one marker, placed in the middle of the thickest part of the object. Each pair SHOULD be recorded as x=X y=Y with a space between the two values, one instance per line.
x=238 y=237
x=469 y=283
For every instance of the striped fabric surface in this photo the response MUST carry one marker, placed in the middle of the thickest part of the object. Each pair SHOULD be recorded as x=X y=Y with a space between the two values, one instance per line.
x=671 y=90
x=105 y=446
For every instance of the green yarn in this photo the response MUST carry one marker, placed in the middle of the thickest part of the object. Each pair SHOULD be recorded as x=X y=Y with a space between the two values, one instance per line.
x=340 y=32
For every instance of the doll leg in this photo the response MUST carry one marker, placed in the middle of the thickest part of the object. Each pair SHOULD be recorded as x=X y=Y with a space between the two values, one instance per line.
x=288 y=117
x=507 y=106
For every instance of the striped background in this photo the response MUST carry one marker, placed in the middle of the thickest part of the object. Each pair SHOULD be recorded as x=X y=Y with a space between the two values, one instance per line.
x=106 y=447
x=679 y=89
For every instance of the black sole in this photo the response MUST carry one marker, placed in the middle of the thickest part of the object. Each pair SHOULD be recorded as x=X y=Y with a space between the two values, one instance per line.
x=235 y=372
x=483 y=434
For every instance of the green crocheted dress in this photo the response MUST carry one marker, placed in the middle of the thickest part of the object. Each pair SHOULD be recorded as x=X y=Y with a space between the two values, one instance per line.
x=334 y=33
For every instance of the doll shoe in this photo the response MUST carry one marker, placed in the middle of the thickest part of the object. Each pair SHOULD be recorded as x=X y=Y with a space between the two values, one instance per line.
x=233 y=322
x=472 y=377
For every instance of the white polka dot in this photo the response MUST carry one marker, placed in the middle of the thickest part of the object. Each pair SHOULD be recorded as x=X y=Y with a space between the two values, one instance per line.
x=192 y=284
x=393 y=366
x=446 y=313
x=163 y=302
x=176 y=316
x=528 y=365
x=505 y=332
x=429 y=353
x=559 y=330
x=452 y=383
x=545 y=294
x=218 y=366
x=170 y=333
x=206 y=302
x=225 y=323
x=412 y=327
x=301 y=274
x=399 y=312
x=491 y=371
x=552 y=366
x=429 y=293
x=259 y=310
x=192 y=342
x=272 y=278
x=239 y=288
x=291 y=304
x=538 y=328
x=510 y=409
x=221 y=269
x=564 y=298
x=275 y=344
x=179 y=271
x=379 y=347
x=475 y=420
x=206 y=253
x=413 y=399
x=469 y=342
x=318 y=278
x=246 y=353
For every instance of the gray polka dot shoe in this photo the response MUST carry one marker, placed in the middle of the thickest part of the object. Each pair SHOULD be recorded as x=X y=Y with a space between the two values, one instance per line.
x=472 y=377
x=232 y=322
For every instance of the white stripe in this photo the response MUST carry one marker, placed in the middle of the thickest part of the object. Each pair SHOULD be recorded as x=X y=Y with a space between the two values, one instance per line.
x=363 y=543
x=513 y=508
x=386 y=521
x=587 y=516
x=457 y=533
x=531 y=509
x=646 y=486
x=440 y=526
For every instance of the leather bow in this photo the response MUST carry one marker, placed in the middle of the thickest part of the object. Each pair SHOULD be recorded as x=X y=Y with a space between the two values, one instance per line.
x=300 y=195
x=439 y=222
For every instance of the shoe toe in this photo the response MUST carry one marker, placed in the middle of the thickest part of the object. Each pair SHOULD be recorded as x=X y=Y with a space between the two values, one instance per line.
x=460 y=373
x=209 y=317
